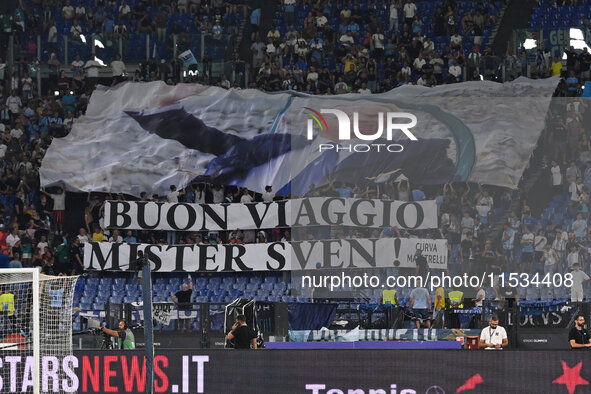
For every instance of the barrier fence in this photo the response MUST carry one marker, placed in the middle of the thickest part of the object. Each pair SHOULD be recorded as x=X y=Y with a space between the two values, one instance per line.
x=542 y=325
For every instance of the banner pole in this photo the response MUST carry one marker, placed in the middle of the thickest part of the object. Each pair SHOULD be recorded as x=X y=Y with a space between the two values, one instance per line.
x=148 y=324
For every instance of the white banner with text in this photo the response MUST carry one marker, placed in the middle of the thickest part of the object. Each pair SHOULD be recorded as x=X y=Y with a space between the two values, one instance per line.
x=315 y=211
x=277 y=256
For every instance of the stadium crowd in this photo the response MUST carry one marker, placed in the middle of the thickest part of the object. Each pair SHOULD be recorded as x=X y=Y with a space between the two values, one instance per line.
x=362 y=55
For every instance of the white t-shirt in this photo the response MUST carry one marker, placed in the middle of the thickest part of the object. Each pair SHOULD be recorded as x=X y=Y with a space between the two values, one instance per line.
x=59 y=201
x=173 y=196
x=268 y=196
x=246 y=198
x=556 y=175
x=455 y=39
x=11 y=240
x=493 y=336
x=78 y=64
x=52 y=35
x=92 y=69
x=456 y=71
x=68 y=12
x=83 y=238
x=572 y=258
x=549 y=259
x=218 y=196
x=321 y=21
x=16 y=133
x=42 y=245
x=14 y=104
x=378 y=41
x=409 y=10
x=480 y=293
x=574 y=191
x=578 y=278
x=419 y=63
x=124 y=9
x=346 y=40
x=118 y=68
x=393 y=12
x=528 y=239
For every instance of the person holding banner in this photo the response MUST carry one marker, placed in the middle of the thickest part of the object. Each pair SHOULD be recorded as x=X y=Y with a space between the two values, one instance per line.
x=183 y=299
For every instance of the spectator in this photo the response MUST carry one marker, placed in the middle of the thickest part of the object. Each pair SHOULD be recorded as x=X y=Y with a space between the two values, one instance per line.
x=409 y=11
x=572 y=84
x=556 y=66
x=246 y=197
x=575 y=189
x=550 y=260
x=258 y=53
x=98 y=235
x=68 y=11
x=182 y=299
x=75 y=255
x=579 y=227
x=573 y=257
x=578 y=278
x=556 y=178
x=420 y=305
x=80 y=11
x=455 y=71
x=508 y=239
x=527 y=250
x=15 y=262
x=75 y=31
x=255 y=19
x=124 y=10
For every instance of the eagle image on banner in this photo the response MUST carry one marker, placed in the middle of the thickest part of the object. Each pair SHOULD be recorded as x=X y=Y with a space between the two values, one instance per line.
x=147 y=136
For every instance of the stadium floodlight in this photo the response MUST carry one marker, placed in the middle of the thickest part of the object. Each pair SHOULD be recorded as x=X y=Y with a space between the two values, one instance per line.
x=530 y=43
x=37 y=322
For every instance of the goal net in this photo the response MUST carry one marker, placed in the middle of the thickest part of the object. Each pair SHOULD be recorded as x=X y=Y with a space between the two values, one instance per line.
x=36 y=331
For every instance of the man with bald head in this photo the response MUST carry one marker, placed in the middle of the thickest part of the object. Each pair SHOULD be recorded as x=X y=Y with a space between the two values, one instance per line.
x=183 y=298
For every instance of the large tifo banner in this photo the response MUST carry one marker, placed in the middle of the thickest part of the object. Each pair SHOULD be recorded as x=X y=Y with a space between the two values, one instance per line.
x=316 y=211
x=277 y=256
x=144 y=137
x=323 y=371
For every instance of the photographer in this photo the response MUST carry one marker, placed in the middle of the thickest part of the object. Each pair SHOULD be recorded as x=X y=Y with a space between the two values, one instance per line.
x=242 y=335
x=126 y=339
